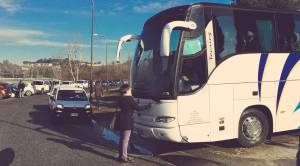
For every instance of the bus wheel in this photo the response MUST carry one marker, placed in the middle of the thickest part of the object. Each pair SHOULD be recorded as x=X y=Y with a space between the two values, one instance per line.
x=253 y=128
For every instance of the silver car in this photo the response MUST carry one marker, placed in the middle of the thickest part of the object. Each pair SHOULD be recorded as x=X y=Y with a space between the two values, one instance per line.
x=69 y=102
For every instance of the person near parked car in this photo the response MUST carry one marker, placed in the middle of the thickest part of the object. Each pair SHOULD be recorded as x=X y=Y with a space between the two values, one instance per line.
x=98 y=92
x=124 y=121
x=21 y=87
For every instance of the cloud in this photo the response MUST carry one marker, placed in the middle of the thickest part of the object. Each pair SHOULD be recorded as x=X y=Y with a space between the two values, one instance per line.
x=16 y=33
x=155 y=6
x=119 y=8
x=23 y=37
x=56 y=11
x=109 y=41
x=10 y=6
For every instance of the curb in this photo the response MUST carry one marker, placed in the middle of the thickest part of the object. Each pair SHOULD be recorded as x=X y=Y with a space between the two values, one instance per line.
x=111 y=135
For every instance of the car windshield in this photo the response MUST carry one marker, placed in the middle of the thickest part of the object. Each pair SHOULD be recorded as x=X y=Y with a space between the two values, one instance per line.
x=72 y=95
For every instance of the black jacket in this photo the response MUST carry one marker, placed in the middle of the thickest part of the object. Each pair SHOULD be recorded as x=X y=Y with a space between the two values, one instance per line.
x=124 y=120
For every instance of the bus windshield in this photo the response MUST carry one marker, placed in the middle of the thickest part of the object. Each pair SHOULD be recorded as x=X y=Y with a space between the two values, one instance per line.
x=153 y=75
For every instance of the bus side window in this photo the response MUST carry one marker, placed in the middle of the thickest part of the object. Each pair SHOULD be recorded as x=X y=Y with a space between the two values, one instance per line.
x=226 y=34
x=255 y=31
x=265 y=34
x=289 y=30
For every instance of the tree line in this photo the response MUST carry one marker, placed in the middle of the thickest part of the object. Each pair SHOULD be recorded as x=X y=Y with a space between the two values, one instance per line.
x=61 y=71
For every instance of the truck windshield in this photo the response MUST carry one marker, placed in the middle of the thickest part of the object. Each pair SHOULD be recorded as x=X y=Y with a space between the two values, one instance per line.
x=153 y=75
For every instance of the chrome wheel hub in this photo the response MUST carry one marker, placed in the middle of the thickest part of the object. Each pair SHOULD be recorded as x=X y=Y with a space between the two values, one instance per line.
x=252 y=128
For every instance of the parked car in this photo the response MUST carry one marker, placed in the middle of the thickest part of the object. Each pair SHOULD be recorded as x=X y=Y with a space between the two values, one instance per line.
x=56 y=82
x=4 y=91
x=41 y=86
x=69 y=101
x=104 y=83
x=83 y=83
x=67 y=83
x=13 y=88
x=28 y=90
x=125 y=82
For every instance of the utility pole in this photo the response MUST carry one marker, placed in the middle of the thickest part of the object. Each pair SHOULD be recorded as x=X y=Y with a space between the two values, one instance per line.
x=106 y=60
x=92 y=38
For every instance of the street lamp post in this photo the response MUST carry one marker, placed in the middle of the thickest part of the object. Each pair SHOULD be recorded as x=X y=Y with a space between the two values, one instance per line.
x=92 y=40
x=106 y=61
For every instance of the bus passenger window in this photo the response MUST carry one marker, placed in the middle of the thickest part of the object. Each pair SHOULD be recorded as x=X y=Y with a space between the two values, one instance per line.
x=250 y=43
x=225 y=36
x=265 y=34
x=289 y=30
x=295 y=42
x=255 y=31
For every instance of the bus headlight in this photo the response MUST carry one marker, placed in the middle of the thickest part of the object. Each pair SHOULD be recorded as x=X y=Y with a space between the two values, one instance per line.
x=59 y=106
x=164 y=119
x=88 y=106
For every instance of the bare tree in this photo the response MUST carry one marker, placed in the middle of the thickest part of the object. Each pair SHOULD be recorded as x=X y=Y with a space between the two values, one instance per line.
x=74 y=57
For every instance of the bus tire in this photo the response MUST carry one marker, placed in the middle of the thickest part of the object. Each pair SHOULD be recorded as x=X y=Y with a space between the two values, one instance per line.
x=253 y=127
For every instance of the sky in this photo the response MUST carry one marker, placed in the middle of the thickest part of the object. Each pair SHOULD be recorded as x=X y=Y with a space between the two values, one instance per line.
x=35 y=29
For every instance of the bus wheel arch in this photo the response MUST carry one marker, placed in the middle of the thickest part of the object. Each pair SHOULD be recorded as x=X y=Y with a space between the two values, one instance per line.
x=255 y=125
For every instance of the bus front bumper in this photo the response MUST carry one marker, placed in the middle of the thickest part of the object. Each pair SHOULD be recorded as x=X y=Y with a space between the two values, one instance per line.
x=166 y=134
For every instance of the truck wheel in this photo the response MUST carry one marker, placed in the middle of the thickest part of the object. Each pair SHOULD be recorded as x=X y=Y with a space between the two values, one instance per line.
x=253 y=128
x=28 y=93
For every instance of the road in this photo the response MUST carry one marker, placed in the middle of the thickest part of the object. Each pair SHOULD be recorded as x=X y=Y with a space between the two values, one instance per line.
x=28 y=138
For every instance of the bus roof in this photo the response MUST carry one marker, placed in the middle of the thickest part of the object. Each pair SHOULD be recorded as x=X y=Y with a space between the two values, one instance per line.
x=226 y=6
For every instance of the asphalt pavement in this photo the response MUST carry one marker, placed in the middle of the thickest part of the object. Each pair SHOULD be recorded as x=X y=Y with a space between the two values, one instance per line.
x=28 y=138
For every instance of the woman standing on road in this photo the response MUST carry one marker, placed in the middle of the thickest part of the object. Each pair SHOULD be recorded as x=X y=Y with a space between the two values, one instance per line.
x=124 y=121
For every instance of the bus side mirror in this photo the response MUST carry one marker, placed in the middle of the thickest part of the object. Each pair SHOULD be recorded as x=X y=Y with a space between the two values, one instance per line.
x=122 y=40
x=166 y=34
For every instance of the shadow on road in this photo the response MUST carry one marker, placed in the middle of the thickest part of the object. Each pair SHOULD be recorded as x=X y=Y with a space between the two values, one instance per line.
x=6 y=156
x=79 y=145
x=73 y=133
x=189 y=160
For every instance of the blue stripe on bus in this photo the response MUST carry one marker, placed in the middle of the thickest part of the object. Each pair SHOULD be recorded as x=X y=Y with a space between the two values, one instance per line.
x=297 y=108
x=290 y=63
x=261 y=69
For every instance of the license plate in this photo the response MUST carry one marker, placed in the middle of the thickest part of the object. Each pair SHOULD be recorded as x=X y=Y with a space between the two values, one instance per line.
x=74 y=114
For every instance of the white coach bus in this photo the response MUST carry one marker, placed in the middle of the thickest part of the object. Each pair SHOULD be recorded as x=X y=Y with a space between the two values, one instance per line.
x=216 y=72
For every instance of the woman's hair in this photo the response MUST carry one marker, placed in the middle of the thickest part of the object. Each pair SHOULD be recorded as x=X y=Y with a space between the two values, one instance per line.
x=124 y=88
